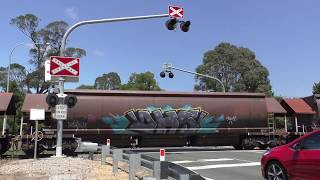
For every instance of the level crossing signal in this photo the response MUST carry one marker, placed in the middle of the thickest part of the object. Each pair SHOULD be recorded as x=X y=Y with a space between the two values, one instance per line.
x=171 y=24
x=175 y=13
x=163 y=74
x=52 y=100
x=70 y=101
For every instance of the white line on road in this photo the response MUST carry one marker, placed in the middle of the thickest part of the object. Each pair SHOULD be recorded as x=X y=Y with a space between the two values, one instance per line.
x=203 y=160
x=215 y=151
x=224 y=165
x=206 y=178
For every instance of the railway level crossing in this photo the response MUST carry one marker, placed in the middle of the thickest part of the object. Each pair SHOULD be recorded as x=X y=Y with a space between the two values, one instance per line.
x=67 y=69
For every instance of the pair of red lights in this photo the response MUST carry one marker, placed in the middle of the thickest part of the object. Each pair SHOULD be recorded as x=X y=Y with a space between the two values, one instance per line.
x=171 y=24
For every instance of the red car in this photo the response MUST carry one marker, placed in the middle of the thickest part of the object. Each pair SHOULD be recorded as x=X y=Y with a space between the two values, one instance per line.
x=297 y=160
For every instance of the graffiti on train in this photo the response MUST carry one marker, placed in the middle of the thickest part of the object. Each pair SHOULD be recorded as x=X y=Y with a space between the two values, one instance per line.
x=167 y=120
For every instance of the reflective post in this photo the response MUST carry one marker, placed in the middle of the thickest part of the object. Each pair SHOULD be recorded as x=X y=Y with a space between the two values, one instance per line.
x=296 y=122
x=285 y=123
x=36 y=141
x=21 y=126
x=4 y=124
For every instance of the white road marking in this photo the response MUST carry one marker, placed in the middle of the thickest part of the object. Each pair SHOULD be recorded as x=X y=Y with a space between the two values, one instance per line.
x=206 y=178
x=203 y=160
x=212 y=151
x=224 y=166
x=242 y=160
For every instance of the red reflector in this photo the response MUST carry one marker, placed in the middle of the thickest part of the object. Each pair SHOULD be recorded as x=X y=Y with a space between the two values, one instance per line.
x=162 y=152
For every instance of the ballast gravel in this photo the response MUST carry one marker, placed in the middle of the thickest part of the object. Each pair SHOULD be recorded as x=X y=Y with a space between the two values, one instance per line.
x=67 y=168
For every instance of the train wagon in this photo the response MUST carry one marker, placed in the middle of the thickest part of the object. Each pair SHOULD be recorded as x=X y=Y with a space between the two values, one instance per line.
x=145 y=118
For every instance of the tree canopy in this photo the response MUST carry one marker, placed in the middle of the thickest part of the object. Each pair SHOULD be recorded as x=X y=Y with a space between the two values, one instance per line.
x=316 y=88
x=84 y=86
x=141 y=81
x=236 y=67
x=47 y=42
x=110 y=81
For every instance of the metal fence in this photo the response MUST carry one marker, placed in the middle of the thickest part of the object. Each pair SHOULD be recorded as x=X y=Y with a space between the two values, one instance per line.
x=161 y=169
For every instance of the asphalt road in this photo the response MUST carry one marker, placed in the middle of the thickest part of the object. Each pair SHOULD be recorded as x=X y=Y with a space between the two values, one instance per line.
x=219 y=164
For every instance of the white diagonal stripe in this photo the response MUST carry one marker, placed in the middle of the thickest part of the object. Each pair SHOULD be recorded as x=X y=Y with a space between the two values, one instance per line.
x=203 y=160
x=224 y=166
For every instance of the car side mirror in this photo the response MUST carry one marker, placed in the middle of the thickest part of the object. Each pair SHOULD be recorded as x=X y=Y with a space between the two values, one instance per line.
x=298 y=146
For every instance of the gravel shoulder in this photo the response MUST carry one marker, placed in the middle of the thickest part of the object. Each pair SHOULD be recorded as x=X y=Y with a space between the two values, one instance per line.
x=68 y=168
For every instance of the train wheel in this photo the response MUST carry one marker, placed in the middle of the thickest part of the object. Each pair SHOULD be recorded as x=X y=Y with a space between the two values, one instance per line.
x=248 y=144
x=238 y=147
x=4 y=146
x=30 y=152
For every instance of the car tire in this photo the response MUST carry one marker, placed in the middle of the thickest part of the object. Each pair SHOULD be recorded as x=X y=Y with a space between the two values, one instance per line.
x=275 y=170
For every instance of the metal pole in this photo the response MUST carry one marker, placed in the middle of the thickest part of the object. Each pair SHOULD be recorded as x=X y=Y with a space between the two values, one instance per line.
x=4 y=125
x=168 y=67
x=63 y=44
x=285 y=123
x=9 y=67
x=21 y=126
x=60 y=121
x=36 y=142
x=296 y=122
x=98 y=21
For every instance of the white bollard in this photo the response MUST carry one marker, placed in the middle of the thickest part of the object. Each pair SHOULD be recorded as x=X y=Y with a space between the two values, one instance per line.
x=162 y=155
x=108 y=142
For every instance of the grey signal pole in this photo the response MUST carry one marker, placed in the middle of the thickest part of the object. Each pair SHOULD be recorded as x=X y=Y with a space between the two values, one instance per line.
x=61 y=79
x=168 y=67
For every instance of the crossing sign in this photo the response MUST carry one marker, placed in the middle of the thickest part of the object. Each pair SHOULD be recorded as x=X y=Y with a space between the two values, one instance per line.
x=175 y=12
x=67 y=67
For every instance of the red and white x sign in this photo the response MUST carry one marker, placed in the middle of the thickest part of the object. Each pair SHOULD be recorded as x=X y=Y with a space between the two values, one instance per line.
x=64 y=66
x=175 y=11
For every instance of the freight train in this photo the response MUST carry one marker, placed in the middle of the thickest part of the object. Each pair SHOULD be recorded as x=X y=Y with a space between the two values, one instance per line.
x=141 y=118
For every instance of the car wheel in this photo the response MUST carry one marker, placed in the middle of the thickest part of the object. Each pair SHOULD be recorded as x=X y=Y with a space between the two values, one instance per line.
x=275 y=171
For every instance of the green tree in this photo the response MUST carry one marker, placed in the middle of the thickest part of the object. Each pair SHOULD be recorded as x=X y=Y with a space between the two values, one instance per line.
x=316 y=88
x=3 y=78
x=18 y=75
x=83 y=86
x=236 y=67
x=50 y=35
x=141 y=81
x=110 y=81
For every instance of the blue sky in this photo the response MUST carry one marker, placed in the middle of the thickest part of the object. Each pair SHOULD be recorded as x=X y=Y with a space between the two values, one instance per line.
x=285 y=35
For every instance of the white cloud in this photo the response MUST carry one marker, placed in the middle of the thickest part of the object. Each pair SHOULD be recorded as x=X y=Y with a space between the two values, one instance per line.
x=71 y=13
x=98 y=53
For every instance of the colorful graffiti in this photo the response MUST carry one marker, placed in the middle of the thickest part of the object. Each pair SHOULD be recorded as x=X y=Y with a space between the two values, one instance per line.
x=165 y=120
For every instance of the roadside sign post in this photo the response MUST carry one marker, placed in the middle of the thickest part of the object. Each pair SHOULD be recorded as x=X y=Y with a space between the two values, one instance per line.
x=36 y=115
x=63 y=69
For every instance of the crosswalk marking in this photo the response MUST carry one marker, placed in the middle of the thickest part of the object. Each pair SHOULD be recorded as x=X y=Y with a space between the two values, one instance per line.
x=203 y=160
x=224 y=166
